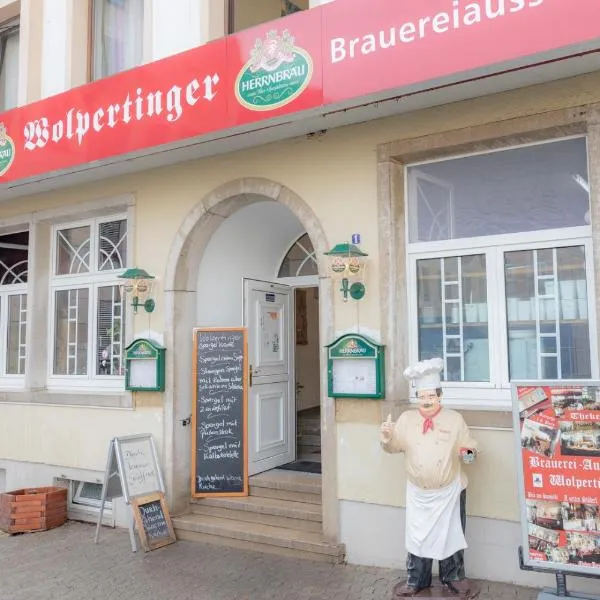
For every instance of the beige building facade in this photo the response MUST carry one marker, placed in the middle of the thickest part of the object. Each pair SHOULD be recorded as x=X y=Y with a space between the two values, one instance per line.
x=466 y=188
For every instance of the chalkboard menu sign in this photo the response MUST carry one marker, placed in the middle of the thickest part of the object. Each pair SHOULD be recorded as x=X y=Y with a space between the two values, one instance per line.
x=132 y=471
x=139 y=465
x=153 y=521
x=219 y=418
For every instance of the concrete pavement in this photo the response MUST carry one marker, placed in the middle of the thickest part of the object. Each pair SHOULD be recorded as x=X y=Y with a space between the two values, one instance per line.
x=65 y=564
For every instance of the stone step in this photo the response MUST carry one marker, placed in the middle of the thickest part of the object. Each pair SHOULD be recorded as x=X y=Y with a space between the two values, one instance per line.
x=309 y=456
x=265 y=538
x=287 y=485
x=306 y=449
x=293 y=481
x=312 y=452
x=309 y=426
x=268 y=511
x=309 y=440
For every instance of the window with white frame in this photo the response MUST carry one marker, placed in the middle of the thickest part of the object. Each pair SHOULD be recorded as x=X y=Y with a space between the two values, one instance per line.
x=500 y=261
x=14 y=250
x=117 y=36
x=88 y=495
x=88 y=317
x=9 y=63
x=300 y=260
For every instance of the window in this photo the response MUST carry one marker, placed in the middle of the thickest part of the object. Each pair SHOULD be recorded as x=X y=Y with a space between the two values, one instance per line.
x=85 y=494
x=248 y=13
x=85 y=499
x=88 y=317
x=547 y=313
x=9 y=64
x=13 y=304
x=117 y=36
x=300 y=260
x=500 y=255
x=448 y=287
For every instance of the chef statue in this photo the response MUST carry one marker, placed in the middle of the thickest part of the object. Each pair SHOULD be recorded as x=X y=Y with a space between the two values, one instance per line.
x=435 y=441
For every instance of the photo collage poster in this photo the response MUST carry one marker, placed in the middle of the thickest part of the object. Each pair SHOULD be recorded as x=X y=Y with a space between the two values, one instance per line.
x=560 y=453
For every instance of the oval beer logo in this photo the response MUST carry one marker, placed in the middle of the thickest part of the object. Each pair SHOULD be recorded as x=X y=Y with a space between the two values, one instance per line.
x=277 y=73
x=7 y=150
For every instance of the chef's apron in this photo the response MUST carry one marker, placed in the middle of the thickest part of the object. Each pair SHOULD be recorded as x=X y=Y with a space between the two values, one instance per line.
x=433 y=526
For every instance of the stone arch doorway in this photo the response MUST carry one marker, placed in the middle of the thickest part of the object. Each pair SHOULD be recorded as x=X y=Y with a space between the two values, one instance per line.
x=181 y=297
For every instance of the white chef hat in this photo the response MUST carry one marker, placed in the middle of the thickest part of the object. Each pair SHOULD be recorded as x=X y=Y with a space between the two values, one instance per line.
x=426 y=374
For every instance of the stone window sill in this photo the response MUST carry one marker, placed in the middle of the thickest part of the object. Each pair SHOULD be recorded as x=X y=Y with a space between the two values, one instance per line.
x=92 y=398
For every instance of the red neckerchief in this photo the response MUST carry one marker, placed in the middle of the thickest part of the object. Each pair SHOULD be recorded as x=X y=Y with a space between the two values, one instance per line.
x=428 y=422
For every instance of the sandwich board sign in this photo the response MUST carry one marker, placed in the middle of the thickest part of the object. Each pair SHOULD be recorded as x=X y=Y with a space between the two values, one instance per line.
x=153 y=521
x=132 y=472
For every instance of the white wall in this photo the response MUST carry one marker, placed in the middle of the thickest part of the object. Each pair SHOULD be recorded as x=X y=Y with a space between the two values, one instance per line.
x=39 y=444
x=251 y=243
x=176 y=27
x=374 y=536
x=19 y=475
x=71 y=437
x=56 y=21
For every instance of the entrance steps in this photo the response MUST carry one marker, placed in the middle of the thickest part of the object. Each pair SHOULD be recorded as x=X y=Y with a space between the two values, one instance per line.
x=282 y=515
x=308 y=435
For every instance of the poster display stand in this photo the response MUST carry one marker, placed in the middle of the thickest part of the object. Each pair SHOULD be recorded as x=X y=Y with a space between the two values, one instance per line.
x=557 y=437
x=132 y=472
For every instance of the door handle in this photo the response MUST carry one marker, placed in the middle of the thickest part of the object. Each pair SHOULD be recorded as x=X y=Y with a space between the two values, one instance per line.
x=250 y=376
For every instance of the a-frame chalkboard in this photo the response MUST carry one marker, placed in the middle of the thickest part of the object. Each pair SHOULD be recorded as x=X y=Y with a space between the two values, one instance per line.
x=132 y=472
x=220 y=412
x=153 y=521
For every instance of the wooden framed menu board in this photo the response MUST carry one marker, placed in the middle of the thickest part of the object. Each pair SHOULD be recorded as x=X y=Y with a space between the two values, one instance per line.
x=153 y=521
x=220 y=412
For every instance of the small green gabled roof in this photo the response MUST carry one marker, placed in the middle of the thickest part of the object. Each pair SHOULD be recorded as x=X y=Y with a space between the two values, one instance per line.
x=136 y=273
x=346 y=249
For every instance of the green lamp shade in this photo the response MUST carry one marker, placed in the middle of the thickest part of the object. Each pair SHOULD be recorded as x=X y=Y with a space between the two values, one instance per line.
x=346 y=249
x=136 y=273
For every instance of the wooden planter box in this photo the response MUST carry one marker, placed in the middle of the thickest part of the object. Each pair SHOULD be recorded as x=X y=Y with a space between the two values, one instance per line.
x=33 y=509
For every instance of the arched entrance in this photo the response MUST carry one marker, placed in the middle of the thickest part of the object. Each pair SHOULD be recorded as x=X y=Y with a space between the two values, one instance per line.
x=189 y=284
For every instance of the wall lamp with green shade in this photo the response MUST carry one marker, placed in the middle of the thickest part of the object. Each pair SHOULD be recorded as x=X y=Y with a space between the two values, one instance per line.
x=347 y=262
x=139 y=284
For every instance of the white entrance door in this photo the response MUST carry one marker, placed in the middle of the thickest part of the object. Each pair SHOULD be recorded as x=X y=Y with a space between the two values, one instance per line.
x=268 y=315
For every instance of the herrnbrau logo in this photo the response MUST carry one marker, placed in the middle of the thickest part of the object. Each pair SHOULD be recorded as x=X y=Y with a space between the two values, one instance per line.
x=277 y=73
x=352 y=347
x=7 y=150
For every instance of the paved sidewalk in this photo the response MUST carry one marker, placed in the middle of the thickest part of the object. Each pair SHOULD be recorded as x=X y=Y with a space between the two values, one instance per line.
x=65 y=564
